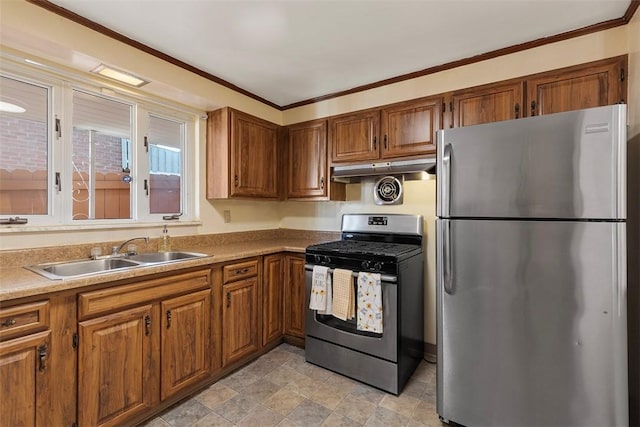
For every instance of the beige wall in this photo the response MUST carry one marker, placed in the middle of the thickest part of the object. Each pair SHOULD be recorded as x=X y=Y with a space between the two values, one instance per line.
x=28 y=30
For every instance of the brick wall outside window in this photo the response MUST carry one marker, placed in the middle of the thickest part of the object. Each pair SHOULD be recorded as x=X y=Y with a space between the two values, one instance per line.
x=23 y=145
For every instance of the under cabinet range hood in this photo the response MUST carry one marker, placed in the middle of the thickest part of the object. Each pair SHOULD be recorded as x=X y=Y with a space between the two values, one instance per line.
x=413 y=169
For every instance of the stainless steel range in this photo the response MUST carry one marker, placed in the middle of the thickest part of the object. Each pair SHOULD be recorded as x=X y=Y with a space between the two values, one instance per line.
x=389 y=245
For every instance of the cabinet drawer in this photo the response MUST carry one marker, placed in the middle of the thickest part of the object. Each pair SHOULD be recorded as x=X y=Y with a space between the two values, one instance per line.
x=240 y=270
x=119 y=297
x=24 y=319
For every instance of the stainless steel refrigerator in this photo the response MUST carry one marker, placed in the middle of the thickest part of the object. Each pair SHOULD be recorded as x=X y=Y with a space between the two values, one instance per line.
x=531 y=271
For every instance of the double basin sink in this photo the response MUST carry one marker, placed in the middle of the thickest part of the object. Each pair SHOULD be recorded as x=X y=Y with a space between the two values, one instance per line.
x=73 y=269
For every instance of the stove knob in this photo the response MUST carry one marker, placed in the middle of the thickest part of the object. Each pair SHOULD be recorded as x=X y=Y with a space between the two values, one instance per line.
x=378 y=265
x=366 y=265
x=316 y=259
x=327 y=260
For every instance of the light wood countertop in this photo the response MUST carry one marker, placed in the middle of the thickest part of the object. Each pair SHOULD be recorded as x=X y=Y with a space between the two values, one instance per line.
x=18 y=282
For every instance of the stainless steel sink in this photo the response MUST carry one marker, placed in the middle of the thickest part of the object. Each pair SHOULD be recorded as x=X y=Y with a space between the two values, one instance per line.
x=161 y=257
x=72 y=269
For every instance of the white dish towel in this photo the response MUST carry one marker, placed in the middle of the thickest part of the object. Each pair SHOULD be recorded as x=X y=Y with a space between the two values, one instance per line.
x=369 y=302
x=320 y=289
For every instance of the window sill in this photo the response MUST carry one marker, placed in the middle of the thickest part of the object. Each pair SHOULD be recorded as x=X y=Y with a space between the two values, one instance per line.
x=18 y=228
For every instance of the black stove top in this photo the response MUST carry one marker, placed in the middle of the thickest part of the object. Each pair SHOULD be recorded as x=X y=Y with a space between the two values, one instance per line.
x=378 y=257
x=354 y=247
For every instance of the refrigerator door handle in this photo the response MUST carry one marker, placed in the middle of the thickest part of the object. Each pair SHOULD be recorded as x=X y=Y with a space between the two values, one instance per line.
x=446 y=180
x=446 y=259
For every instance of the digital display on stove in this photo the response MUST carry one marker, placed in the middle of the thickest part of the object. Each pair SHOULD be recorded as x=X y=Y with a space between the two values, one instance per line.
x=378 y=220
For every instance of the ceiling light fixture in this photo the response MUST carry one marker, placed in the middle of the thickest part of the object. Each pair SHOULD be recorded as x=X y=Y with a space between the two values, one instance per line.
x=11 y=108
x=119 y=75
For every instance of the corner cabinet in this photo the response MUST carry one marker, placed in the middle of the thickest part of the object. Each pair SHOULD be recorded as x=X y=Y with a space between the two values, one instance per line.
x=242 y=156
x=272 y=299
x=307 y=167
x=404 y=129
x=294 y=297
x=140 y=344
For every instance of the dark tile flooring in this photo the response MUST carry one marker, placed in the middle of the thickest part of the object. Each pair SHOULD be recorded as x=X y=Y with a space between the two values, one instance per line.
x=281 y=389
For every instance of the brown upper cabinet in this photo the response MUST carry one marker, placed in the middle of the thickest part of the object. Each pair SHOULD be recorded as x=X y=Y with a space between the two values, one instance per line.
x=397 y=130
x=242 y=153
x=588 y=85
x=307 y=167
x=487 y=103
x=584 y=86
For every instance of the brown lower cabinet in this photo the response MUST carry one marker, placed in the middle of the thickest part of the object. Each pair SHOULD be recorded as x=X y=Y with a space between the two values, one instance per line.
x=240 y=310
x=140 y=344
x=144 y=345
x=294 y=296
x=25 y=379
x=272 y=298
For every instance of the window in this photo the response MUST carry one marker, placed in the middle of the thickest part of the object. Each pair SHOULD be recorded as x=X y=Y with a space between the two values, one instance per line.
x=75 y=154
x=24 y=148
x=100 y=185
x=165 y=143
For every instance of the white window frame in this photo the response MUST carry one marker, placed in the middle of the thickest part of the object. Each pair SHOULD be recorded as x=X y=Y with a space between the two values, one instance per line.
x=60 y=205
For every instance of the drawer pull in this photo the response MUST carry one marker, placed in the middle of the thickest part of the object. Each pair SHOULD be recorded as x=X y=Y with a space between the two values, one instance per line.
x=9 y=322
x=242 y=270
x=168 y=319
x=228 y=299
x=42 y=356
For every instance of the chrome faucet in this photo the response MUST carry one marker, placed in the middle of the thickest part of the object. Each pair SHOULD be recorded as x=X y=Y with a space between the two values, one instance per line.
x=116 y=249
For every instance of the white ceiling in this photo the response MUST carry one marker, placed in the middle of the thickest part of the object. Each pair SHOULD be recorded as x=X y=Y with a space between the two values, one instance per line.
x=291 y=51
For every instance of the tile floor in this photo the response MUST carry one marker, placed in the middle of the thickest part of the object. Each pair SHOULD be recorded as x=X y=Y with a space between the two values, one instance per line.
x=281 y=389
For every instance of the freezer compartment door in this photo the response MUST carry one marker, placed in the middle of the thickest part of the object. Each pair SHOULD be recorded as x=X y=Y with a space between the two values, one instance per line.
x=565 y=165
x=531 y=323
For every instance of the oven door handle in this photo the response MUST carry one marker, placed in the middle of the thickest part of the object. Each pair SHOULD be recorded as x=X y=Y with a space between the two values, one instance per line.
x=383 y=277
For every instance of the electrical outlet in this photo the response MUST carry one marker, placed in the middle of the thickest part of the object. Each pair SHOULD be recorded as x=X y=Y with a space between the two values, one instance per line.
x=227 y=215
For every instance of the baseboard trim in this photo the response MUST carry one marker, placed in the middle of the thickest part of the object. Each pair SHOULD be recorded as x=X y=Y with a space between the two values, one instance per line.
x=430 y=352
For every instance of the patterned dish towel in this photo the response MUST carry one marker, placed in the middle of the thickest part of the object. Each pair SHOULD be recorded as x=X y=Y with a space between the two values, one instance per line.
x=343 y=294
x=369 y=302
x=320 y=287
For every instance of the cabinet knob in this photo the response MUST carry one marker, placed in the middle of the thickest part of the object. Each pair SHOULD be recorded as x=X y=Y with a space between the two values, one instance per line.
x=533 y=107
x=322 y=183
x=228 y=299
x=9 y=322
x=235 y=180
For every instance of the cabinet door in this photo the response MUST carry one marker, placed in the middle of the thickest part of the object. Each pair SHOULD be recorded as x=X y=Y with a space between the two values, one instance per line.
x=24 y=380
x=307 y=166
x=272 y=298
x=253 y=156
x=185 y=341
x=294 y=299
x=409 y=128
x=116 y=380
x=354 y=137
x=240 y=334
x=486 y=104
x=585 y=86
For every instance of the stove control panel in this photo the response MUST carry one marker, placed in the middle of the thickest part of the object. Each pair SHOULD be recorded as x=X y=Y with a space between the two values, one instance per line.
x=378 y=220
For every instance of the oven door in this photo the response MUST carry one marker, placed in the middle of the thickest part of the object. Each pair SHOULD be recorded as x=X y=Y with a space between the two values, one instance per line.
x=345 y=333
